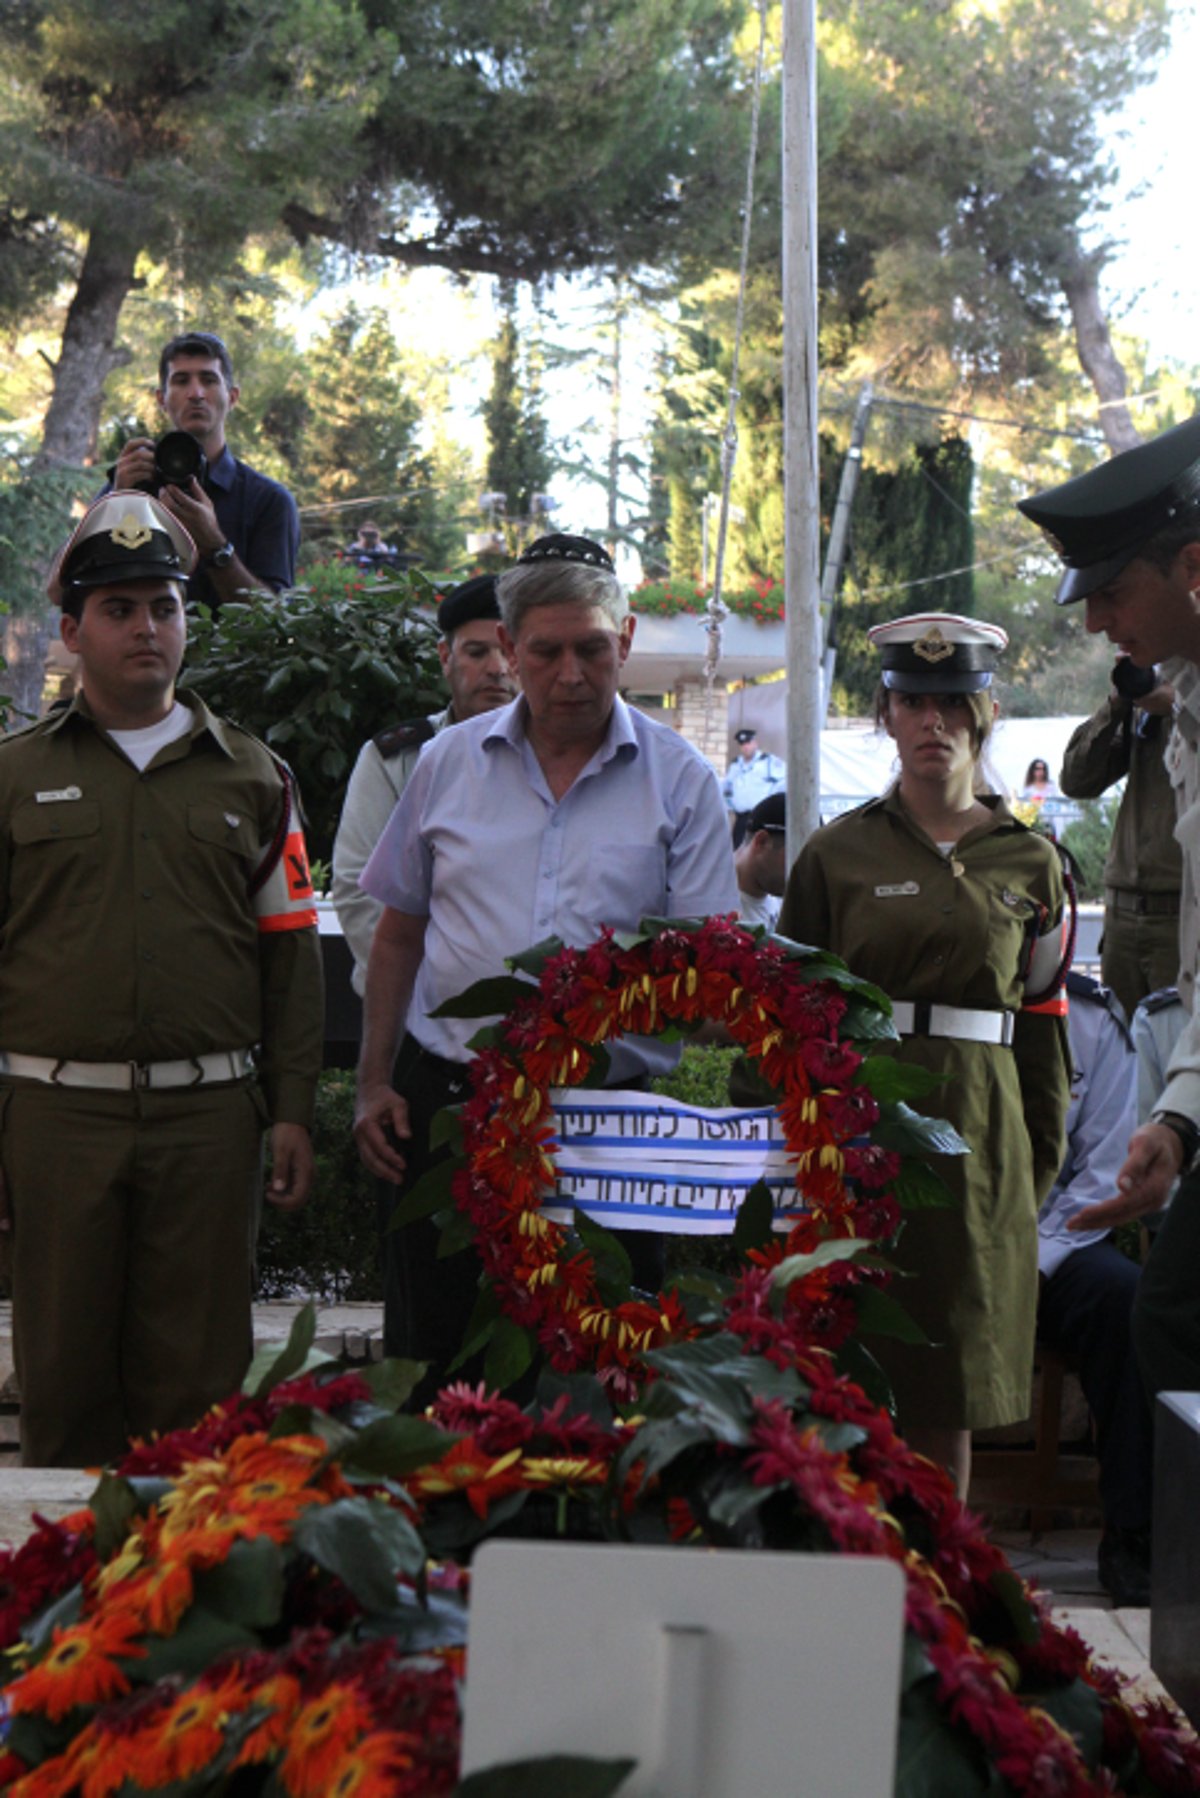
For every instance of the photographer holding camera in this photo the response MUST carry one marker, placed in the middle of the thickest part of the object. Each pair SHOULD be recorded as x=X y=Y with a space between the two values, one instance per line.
x=245 y=526
x=1125 y=738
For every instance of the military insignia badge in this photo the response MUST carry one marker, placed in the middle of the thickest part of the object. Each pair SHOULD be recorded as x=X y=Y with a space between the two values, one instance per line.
x=933 y=647
x=130 y=533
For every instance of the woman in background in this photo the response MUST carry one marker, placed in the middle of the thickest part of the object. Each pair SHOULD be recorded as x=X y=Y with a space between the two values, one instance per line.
x=938 y=895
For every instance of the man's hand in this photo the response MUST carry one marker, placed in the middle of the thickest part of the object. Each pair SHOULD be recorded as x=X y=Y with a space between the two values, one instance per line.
x=135 y=464
x=196 y=513
x=292 y=1166
x=1144 y=1183
x=380 y=1116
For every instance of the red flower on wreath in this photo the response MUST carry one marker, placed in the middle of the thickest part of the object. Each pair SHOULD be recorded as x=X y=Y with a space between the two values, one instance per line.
x=785 y=1019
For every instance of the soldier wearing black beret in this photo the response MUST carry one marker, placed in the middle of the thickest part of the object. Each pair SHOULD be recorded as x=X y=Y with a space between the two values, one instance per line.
x=1128 y=535
x=477 y=674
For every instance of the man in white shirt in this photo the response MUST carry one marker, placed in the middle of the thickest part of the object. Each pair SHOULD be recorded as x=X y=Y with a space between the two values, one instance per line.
x=761 y=862
x=559 y=814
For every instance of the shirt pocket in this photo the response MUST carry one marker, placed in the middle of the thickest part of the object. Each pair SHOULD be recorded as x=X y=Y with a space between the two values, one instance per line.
x=56 y=853
x=211 y=827
x=625 y=884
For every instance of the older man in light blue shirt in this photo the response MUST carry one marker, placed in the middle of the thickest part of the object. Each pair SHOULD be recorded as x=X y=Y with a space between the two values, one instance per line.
x=559 y=814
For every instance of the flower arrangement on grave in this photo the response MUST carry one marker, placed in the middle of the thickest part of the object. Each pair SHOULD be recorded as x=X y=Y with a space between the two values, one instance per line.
x=276 y=1601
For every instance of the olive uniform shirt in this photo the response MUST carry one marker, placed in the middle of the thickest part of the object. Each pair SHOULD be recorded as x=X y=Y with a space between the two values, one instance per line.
x=127 y=927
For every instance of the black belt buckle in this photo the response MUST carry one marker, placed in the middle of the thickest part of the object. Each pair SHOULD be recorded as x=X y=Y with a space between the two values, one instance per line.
x=922 y=1017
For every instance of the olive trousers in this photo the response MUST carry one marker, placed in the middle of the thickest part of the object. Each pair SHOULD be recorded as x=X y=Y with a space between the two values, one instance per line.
x=130 y=1259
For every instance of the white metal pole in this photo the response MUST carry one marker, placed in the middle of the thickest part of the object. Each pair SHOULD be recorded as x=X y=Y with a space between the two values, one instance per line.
x=801 y=478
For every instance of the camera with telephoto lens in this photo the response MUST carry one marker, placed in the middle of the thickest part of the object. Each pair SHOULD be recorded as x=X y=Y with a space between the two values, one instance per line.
x=1132 y=682
x=177 y=457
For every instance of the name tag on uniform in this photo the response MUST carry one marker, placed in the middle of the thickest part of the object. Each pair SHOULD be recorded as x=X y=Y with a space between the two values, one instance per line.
x=907 y=889
x=55 y=795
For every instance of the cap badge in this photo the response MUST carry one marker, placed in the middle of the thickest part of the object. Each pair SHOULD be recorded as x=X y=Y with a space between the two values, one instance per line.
x=933 y=647
x=1054 y=542
x=131 y=533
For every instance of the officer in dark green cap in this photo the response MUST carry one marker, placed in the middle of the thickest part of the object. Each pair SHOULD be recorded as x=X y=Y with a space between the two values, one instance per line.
x=1128 y=534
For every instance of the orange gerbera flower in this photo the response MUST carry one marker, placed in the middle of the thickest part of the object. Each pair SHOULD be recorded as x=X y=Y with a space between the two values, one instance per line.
x=81 y=1666
x=158 y=1595
x=465 y=1468
x=369 y=1769
x=319 y=1738
x=280 y=1696
x=188 y=1735
x=258 y=1488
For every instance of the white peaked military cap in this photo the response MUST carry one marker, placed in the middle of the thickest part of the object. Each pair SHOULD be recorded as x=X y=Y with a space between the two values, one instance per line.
x=938 y=652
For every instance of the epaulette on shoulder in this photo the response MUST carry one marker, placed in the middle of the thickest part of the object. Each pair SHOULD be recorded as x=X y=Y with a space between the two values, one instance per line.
x=1162 y=1000
x=36 y=727
x=399 y=737
x=1094 y=992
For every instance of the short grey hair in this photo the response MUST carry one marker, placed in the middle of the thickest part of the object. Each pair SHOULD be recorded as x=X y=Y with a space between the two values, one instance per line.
x=558 y=582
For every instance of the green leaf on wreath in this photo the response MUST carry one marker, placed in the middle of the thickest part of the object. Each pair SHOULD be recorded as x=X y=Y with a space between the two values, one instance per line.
x=614 y=1270
x=1010 y=1590
x=879 y=1314
x=864 y=1021
x=114 y=1504
x=754 y=1226
x=458 y=1232
x=918 y=1187
x=363 y=1543
x=796 y=1267
x=271 y=1365
x=935 y=1760
x=199 y=1639
x=494 y=997
x=510 y=1352
x=430 y=1194
x=856 y=1361
x=1078 y=1710
x=446 y=1128
x=61 y=1614
x=534 y=959
x=585 y=1395
x=392 y=1380
x=890 y=1079
x=480 y=1326
x=247 y=1587
x=394 y=1446
x=912 y=1133
x=659 y=1443
x=548 y=1776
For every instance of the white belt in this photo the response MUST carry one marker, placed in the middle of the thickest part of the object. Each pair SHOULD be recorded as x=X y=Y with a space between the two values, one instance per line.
x=130 y=1076
x=923 y=1019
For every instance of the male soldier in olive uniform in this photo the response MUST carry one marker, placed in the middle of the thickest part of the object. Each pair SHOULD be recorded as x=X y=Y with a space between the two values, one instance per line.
x=1124 y=739
x=160 y=998
x=1128 y=534
x=478 y=676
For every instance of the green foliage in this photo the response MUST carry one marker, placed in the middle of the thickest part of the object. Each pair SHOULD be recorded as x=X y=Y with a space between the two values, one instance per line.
x=329 y=1248
x=909 y=520
x=701 y=1078
x=315 y=677
x=35 y=518
x=519 y=463
x=1088 y=839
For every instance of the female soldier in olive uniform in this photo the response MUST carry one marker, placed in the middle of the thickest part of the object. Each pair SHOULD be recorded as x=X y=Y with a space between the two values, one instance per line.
x=940 y=897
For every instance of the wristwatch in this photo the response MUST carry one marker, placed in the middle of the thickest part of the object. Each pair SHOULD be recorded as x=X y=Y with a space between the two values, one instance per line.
x=1185 y=1130
x=221 y=558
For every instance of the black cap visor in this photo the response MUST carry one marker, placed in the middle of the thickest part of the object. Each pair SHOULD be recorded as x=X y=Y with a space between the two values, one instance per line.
x=936 y=680
x=1077 y=583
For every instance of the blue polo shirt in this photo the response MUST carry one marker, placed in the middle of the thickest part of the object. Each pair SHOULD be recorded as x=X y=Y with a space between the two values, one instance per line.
x=259 y=517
